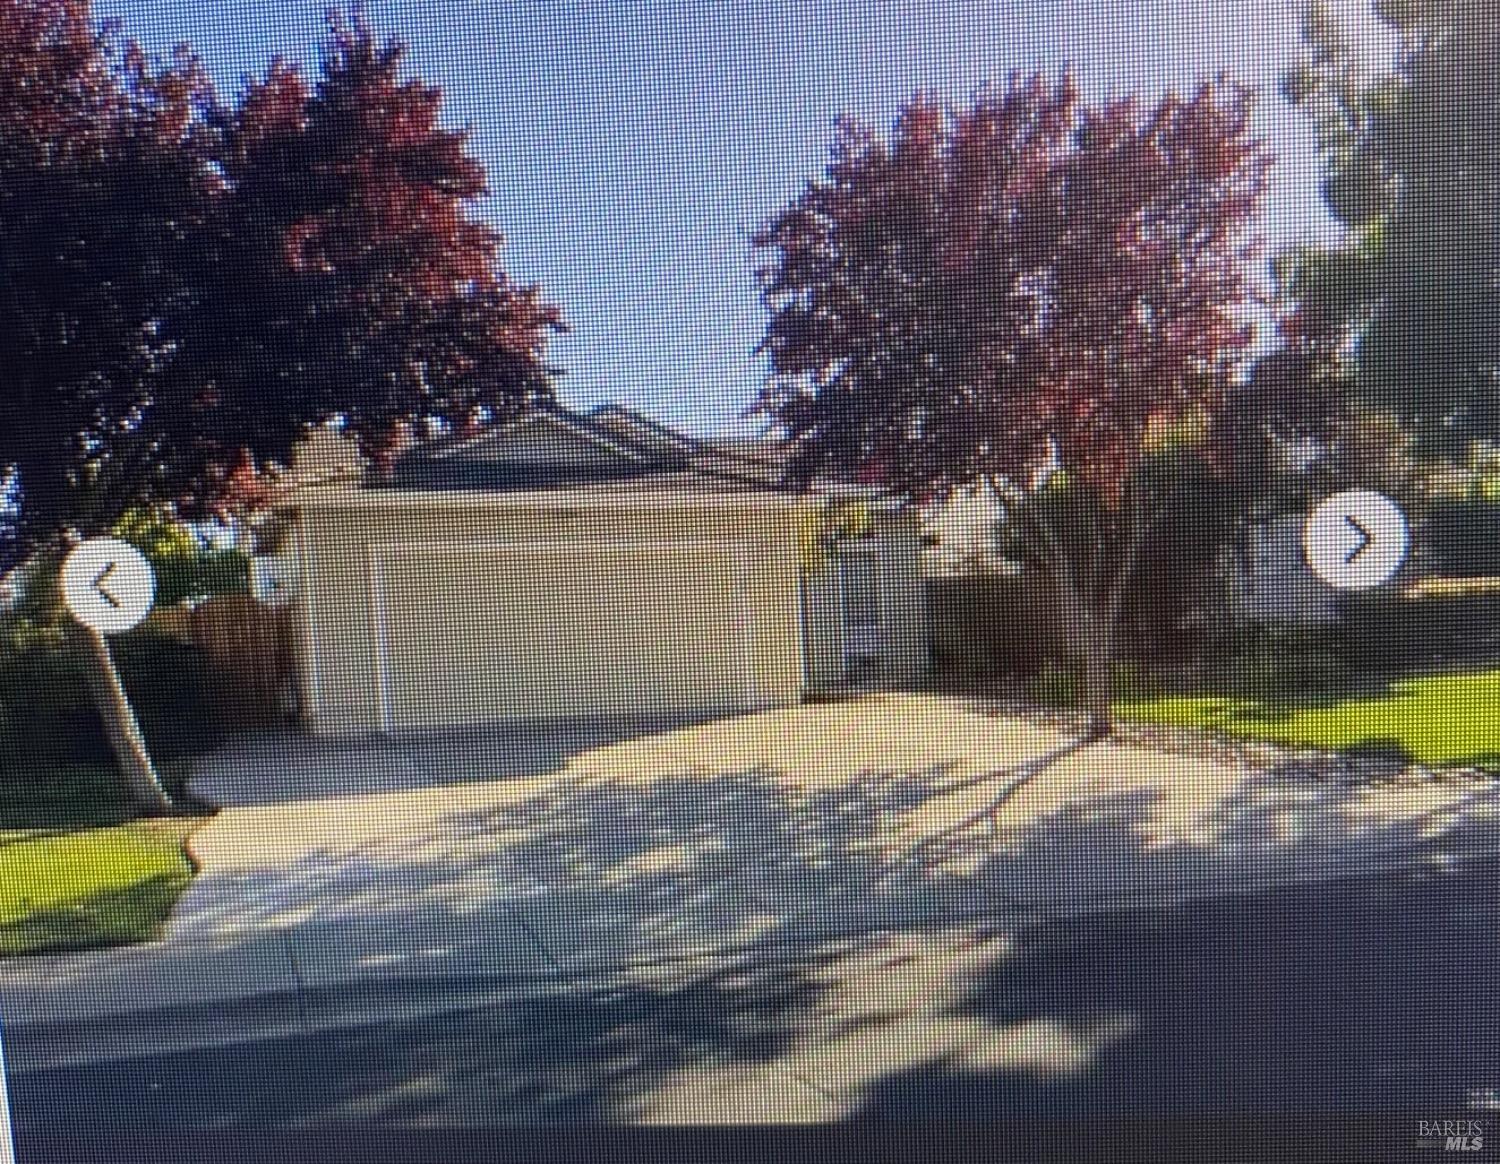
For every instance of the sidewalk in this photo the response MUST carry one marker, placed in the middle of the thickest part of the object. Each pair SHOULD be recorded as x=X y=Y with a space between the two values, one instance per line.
x=188 y=993
x=1337 y=998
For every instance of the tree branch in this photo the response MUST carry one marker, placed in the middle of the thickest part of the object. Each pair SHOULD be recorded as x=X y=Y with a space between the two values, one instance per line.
x=1052 y=555
x=1141 y=526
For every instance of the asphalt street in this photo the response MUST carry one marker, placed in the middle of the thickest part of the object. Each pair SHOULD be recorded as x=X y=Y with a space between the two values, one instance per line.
x=1376 y=994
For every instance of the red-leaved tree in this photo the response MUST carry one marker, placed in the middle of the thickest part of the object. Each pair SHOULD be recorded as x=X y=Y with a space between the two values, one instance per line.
x=188 y=285
x=1030 y=292
x=348 y=273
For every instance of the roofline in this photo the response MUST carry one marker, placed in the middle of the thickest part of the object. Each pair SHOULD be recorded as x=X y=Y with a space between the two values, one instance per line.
x=575 y=422
x=345 y=499
x=713 y=463
x=666 y=432
x=351 y=496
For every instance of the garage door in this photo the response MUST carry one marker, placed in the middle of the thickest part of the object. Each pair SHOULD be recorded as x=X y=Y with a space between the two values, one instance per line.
x=494 y=631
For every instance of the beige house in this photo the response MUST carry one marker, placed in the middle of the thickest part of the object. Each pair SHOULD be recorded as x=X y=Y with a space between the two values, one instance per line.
x=572 y=566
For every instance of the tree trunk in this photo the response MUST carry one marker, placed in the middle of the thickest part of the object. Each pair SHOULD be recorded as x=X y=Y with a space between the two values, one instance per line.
x=120 y=724
x=1091 y=642
x=1098 y=657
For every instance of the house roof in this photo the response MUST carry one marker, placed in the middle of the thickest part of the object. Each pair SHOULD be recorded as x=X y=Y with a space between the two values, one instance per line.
x=629 y=425
x=608 y=456
x=554 y=447
x=546 y=447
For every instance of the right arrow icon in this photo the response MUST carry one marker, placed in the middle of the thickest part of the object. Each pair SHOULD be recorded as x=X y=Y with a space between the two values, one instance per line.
x=1361 y=533
x=1355 y=540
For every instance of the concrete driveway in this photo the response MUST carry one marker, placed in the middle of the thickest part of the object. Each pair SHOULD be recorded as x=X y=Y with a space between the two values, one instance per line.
x=610 y=840
x=717 y=832
x=287 y=767
x=502 y=858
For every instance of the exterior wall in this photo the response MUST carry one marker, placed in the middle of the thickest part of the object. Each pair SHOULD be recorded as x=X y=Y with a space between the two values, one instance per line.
x=337 y=647
x=325 y=455
x=342 y=551
x=822 y=613
x=907 y=634
x=897 y=546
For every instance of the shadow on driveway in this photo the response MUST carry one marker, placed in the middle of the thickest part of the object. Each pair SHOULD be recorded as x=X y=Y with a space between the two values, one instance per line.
x=627 y=860
x=779 y=840
x=287 y=767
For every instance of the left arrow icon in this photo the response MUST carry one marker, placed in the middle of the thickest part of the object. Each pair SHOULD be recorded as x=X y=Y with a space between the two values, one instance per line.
x=99 y=585
x=108 y=584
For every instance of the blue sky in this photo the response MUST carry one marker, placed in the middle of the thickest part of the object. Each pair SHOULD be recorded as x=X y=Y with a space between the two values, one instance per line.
x=633 y=147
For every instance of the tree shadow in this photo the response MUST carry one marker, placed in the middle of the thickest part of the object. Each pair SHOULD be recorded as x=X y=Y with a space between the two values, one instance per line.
x=609 y=866
x=599 y=1053
x=1361 y=995
x=1382 y=751
x=866 y=941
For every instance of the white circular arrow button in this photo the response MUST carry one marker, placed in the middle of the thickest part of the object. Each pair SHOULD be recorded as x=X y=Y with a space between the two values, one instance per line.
x=108 y=584
x=1356 y=540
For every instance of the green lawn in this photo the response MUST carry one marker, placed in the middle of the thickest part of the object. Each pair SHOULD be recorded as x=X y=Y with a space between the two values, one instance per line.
x=76 y=871
x=1436 y=719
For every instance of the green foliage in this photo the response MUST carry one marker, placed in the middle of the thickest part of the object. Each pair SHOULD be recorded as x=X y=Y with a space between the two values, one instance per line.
x=1389 y=635
x=1411 y=169
x=90 y=887
x=1280 y=661
x=47 y=719
x=1194 y=513
x=68 y=797
x=1463 y=539
x=1434 y=719
x=186 y=563
x=991 y=627
x=1061 y=686
x=157 y=534
x=77 y=868
x=1055 y=685
x=825 y=524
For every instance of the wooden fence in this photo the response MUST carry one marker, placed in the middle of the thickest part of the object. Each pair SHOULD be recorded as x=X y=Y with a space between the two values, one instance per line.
x=989 y=627
x=984 y=627
x=249 y=646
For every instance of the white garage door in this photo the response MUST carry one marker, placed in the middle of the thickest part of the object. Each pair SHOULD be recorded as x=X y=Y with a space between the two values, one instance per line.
x=493 y=631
